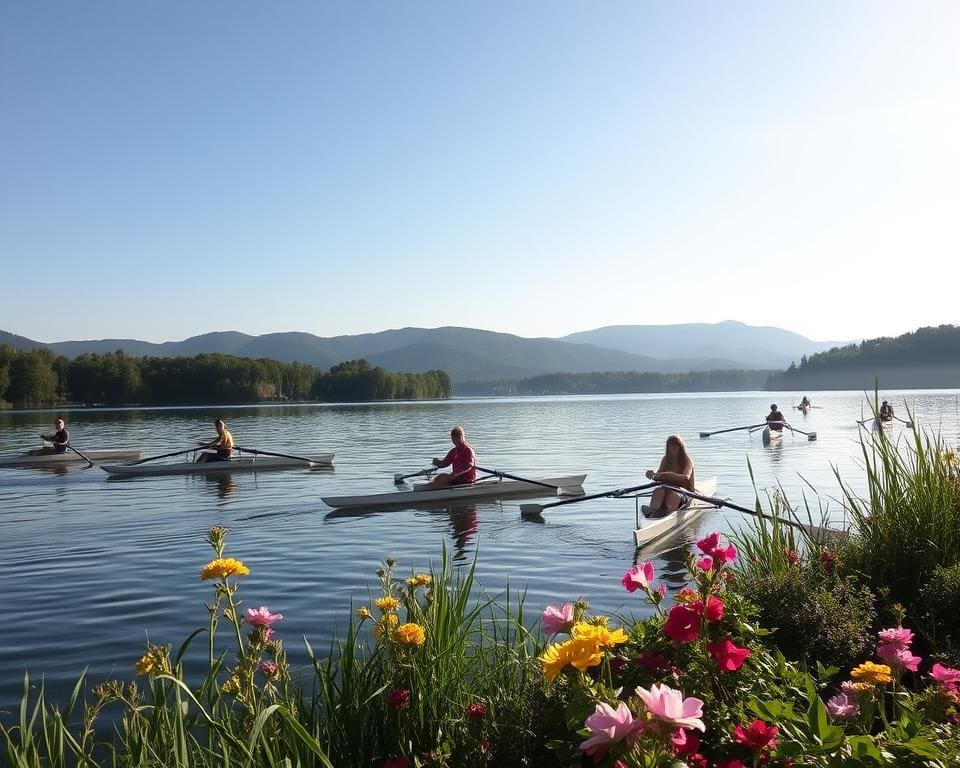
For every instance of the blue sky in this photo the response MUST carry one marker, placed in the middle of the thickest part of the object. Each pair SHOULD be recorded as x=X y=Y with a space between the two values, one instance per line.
x=168 y=169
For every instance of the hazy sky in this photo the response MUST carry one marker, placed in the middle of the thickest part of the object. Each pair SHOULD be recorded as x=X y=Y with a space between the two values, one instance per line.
x=171 y=168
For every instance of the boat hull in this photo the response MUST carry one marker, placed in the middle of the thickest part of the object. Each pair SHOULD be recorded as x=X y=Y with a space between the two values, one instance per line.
x=481 y=489
x=771 y=436
x=239 y=464
x=70 y=457
x=657 y=528
x=879 y=424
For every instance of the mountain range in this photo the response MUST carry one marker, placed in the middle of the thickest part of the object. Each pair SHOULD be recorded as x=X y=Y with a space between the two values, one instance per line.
x=469 y=354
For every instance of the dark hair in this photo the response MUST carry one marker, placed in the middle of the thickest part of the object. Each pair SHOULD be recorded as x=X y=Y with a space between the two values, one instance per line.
x=773 y=406
x=678 y=441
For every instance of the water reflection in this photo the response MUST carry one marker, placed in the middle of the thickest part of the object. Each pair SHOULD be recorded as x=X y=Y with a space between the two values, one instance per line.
x=463 y=525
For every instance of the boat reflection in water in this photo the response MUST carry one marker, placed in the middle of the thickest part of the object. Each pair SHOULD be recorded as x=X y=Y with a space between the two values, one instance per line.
x=463 y=525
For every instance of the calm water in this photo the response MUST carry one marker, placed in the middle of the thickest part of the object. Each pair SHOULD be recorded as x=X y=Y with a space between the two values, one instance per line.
x=90 y=567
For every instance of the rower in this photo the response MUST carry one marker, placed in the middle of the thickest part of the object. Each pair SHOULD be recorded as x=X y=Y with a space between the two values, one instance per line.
x=886 y=411
x=462 y=460
x=805 y=403
x=222 y=445
x=676 y=468
x=775 y=419
x=60 y=439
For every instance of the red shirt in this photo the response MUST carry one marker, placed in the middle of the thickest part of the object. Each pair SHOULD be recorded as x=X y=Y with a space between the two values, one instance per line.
x=463 y=458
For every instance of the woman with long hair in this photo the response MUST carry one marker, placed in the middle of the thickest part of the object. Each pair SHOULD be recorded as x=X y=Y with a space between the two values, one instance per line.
x=676 y=468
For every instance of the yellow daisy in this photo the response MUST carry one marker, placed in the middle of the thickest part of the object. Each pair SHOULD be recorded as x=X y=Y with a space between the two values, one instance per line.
x=875 y=674
x=223 y=567
x=410 y=634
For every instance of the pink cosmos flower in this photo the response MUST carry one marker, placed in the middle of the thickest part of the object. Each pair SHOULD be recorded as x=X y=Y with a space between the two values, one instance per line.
x=397 y=762
x=728 y=656
x=896 y=636
x=944 y=674
x=398 y=698
x=638 y=577
x=758 y=735
x=705 y=563
x=843 y=706
x=556 y=619
x=261 y=617
x=608 y=726
x=669 y=706
x=898 y=656
x=684 y=742
x=682 y=624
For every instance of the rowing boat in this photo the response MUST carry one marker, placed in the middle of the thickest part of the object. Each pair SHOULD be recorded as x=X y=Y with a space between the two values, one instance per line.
x=770 y=436
x=490 y=488
x=238 y=464
x=657 y=528
x=881 y=424
x=70 y=457
x=804 y=409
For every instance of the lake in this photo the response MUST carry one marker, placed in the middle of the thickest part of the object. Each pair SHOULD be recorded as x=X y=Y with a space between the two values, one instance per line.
x=90 y=567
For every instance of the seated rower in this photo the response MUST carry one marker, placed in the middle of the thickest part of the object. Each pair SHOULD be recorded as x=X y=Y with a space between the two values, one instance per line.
x=775 y=419
x=462 y=460
x=60 y=439
x=886 y=411
x=222 y=445
x=676 y=468
x=805 y=403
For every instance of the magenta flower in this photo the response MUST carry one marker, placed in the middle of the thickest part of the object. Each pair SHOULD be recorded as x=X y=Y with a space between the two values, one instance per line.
x=261 y=617
x=896 y=636
x=758 y=735
x=730 y=762
x=609 y=726
x=268 y=668
x=476 y=711
x=682 y=624
x=946 y=675
x=662 y=591
x=898 y=656
x=705 y=563
x=684 y=742
x=712 y=546
x=843 y=706
x=713 y=610
x=728 y=656
x=709 y=543
x=398 y=698
x=669 y=707
x=638 y=577
x=556 y=619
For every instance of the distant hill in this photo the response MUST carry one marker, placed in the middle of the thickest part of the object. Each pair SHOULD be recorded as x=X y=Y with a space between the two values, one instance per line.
x=21 y=343
x=927 y=357
x=739 y=344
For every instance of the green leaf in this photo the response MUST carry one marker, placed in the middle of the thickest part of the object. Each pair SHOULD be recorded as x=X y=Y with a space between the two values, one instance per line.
x=862 y=747
x=922 y=748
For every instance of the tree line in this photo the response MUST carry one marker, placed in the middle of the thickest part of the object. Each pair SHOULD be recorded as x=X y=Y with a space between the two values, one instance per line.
x=38 y=377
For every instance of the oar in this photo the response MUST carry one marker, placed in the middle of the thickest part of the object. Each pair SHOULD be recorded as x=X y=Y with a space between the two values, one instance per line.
x=501 y=475
x=161 y=456
x=258 y=452
x=732 y=429
x=906 y=422
x=532 y=510
x=398 y=478
x=89 y=463
x=810 y=435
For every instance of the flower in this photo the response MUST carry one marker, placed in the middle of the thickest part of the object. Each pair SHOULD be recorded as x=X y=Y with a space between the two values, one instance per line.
x=856 y=689
x=669 y=706
x=386 y=623
x=583 y=652
x=424 y=579
x=705 y=563
x=728 y=656
x=363 y=613
x=608 y=726
x=387 y=604
x=792 y=557
x=556 y=619
x=476 y=711
x=269 y=669
x=222 y=568
x=398 y=698
x=261 y=617
x=713 y=611
x=711 y=545
x=843 y=706
x=875 y=674
x=944 y=674
x=898 y=657
x=410 y=634
x=156 y=661
x=896 y=636
x=652 y=661
x=758 y=735
x=682 y=624
x=397 y=762
x=638 y=577
x=602 y=636
x=684 y=742
x=554 y=660
x=686 y=595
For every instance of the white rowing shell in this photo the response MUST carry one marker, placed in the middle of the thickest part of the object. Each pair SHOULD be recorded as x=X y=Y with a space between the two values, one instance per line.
x=239 y=464
x=55 y=459
x=655 y=529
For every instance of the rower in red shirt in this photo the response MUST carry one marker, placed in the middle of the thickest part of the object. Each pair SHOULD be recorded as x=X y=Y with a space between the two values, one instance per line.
x=461 y=459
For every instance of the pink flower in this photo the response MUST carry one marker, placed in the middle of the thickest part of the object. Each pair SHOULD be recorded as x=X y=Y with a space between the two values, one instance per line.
x=398 y=698
x=652 y=661
x=638 y=577
x=944 y=674
x=843 y=706
x=709 y=543
x=261 y=617
x=669 y=706
x=476 y=711
x=682 y=624
x=896 y=636
x=712 y=612
x=608 y=726
x=662 y=591
x=792 y=557
x=686 y=595
x=685 y=742
x=758 y=735
x=268 y=668
x=712 y=546
x=705 y=563
x=728 y=656
x=397 y=762
x=557 y=619
x=898 y=656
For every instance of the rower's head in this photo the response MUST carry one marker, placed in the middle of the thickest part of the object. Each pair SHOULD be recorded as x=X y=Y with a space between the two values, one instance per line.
x=676 y=448
x=457 y=435
x=219 y=426
x=59 y=423
x=885 y=402
x=773 y=407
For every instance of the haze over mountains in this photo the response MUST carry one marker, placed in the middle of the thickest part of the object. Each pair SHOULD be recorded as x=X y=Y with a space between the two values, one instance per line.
x=469 y=354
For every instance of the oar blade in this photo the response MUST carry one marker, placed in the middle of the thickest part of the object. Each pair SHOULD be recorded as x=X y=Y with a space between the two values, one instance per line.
x=812 y=436
x=704 y=434
x=398 y=479
x=531 y=510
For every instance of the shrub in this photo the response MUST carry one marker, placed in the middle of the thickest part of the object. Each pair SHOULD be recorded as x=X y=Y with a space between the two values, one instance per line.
x=939 y=617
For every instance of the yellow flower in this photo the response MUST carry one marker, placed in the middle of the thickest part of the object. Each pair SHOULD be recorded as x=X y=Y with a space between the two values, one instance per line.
x=599 y=634
x=862 y=688
x=875 y=674
x=363 y=613
x=583 y=653
x=410 y=634
x=424 y=579
x=156 y=661
x=387 y=622
x=232 y=686
x=223 y=567
x=387 y=604
x=554 y=660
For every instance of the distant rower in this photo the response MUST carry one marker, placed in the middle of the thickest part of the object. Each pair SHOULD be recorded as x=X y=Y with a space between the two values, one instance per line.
x=60 y=439
x=886 y=411
x=222 y=445
x=676 y=468
x=462 y=460
x=775 y=419
x=805 y=403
